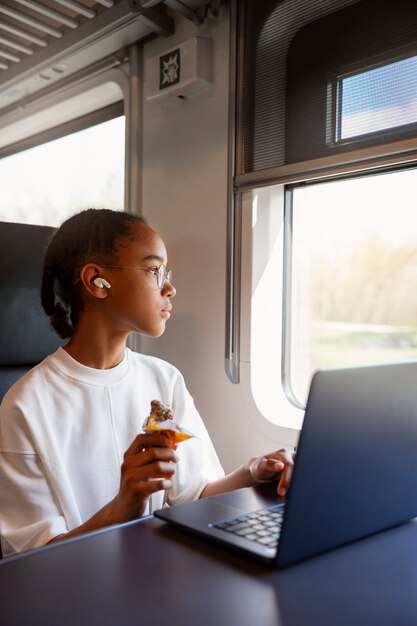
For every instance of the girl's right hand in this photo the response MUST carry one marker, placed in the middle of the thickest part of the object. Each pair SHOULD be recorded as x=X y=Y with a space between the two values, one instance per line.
x=149 y=456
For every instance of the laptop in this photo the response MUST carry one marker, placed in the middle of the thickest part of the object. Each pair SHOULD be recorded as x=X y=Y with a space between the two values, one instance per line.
x=355 y=473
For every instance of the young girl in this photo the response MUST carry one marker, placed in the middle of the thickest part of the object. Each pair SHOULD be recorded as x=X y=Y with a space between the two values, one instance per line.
x=73 y=457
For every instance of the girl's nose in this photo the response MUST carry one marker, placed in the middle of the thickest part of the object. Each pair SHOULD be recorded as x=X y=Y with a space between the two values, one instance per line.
x=169 y=289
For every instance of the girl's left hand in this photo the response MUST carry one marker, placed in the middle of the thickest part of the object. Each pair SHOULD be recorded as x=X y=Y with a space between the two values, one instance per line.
x=272 y=466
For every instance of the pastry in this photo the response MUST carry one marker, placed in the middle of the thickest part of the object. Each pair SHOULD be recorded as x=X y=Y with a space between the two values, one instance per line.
x=161 y=419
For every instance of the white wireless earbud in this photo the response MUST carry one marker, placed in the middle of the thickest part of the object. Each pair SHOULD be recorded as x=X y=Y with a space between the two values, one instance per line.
x=101 y=282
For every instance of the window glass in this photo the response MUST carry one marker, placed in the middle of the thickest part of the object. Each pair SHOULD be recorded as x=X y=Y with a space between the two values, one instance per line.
x=353 y=283
x=48 y=183
x=378 y=99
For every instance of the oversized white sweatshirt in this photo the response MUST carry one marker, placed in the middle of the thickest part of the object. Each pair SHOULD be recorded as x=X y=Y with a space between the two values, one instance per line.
x=64 y=428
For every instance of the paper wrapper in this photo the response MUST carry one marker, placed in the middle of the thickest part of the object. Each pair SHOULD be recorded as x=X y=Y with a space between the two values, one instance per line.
x=161 y=419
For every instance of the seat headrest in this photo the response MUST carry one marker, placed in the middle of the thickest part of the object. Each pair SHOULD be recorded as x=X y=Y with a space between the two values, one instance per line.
x=25 y=333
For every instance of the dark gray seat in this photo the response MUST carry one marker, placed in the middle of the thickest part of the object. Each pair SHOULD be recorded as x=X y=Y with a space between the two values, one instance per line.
x=25 y=334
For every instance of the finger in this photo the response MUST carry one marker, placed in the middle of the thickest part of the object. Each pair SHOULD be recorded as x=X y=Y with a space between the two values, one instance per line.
x=285 y=480
x=149 y=457
x=159 y=469
x=148 y=440
x=146 y=488
x=271 y=467
x=136 y=480
x=281 y=455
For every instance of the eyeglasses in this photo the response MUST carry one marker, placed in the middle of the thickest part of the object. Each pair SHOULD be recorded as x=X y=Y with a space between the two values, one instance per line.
x=161 y=273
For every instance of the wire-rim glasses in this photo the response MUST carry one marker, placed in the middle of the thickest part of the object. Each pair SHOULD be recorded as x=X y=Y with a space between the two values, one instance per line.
x=161 y=273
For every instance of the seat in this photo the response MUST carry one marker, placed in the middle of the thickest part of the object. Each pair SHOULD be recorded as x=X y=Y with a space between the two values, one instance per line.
x=25 y=334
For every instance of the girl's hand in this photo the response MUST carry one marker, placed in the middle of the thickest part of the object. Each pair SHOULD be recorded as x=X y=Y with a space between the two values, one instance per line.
x=272 y=466
x=148 y=466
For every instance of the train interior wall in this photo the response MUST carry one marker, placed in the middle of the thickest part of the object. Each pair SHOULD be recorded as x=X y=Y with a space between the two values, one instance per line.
x=185 y=161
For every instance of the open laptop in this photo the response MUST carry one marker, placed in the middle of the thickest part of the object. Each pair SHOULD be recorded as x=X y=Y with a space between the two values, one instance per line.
x=355 y=472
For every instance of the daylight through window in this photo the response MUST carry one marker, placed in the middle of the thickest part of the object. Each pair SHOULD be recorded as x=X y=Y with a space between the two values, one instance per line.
x=48 y=183
x=378 y=99
x=354 y=275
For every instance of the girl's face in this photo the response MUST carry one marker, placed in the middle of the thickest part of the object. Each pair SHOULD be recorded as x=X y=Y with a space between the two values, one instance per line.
x=135 y=302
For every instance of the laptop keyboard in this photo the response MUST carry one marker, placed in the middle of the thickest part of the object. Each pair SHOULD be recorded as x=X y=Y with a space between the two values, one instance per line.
x=263 y=526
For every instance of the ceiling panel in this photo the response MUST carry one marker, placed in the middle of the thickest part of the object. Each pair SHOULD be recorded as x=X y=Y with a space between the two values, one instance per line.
x=43 y=41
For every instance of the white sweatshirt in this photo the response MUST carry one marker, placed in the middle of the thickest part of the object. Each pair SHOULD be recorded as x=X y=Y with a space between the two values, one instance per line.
x=64 y=428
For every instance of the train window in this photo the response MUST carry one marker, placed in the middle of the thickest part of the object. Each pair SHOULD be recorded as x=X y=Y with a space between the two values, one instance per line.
x=350 y=80
x=326 y=143
x=376 y=100
x=351 y=298
x=47 y=183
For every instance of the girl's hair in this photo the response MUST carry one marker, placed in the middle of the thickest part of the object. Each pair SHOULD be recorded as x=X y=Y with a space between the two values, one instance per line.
x=92 y=235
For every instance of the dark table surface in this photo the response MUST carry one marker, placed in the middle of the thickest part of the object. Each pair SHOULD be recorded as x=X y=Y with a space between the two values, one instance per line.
x=148 y=573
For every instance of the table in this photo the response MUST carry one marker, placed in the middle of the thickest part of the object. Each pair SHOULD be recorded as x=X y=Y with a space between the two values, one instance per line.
x=146 y=572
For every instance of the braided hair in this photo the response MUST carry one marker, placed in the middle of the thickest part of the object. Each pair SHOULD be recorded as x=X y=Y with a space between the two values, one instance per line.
x=92 y=233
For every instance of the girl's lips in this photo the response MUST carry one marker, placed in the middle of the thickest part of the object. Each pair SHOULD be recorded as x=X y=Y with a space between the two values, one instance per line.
x=166 y=313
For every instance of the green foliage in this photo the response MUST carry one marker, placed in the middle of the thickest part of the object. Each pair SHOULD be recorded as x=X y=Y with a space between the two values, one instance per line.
x=376 y=285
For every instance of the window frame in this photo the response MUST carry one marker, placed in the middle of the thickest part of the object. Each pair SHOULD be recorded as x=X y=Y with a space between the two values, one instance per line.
x=98 y=116
x=87 y=86
x=382 y=152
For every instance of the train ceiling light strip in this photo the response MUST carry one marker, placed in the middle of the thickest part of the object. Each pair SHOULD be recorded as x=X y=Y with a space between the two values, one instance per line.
x=16 y=46
x=22 y=34
x=29 y=21
x=9 y=56
x=103 y=30
x=33 y=30
x=55 y=16
x=77 y=7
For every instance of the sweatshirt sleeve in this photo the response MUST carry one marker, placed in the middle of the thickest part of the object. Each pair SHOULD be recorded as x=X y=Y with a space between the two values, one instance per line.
x=29 y=514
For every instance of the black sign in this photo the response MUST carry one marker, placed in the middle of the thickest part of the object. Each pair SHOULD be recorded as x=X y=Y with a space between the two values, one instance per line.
x=169 y=69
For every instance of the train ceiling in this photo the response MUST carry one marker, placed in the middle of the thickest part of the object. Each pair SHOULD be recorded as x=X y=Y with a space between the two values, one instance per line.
x=43 y=41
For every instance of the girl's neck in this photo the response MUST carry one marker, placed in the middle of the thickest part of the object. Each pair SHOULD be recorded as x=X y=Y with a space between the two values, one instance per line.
x=96 y=349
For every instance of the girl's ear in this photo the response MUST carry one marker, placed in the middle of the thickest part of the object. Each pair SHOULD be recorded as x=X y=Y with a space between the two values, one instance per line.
x=93 y=281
